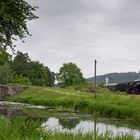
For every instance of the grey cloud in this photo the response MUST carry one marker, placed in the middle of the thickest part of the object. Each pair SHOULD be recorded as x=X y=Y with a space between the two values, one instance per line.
x=82 y=30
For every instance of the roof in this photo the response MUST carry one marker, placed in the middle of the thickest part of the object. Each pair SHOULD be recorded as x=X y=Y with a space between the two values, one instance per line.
x=111 y=84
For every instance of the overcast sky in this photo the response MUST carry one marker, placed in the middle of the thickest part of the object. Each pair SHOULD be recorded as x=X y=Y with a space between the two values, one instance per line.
x=81 y=30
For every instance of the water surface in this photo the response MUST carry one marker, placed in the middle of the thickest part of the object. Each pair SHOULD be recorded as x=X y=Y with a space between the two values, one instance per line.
x=69 y=122
x=87 y=126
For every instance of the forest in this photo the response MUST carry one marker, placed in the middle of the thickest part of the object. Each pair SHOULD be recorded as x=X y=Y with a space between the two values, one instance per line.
x=21 y=70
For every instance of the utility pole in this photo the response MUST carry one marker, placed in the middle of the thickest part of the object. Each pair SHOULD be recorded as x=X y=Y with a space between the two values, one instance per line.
x=95 y=78
x=95 y=95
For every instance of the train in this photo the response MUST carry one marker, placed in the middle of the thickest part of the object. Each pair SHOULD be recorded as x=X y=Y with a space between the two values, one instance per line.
x=132 y=87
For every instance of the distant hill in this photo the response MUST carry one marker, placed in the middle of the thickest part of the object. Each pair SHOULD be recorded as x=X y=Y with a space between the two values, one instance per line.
x=117 y=77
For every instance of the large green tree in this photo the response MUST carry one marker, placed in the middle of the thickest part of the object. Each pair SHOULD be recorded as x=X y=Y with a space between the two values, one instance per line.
x=69 y=74
x=51 y=77
x=6 y=74
x=31 y=71
x=4 y=56
x=14 y=15
x=21 y=64
x=38 y=75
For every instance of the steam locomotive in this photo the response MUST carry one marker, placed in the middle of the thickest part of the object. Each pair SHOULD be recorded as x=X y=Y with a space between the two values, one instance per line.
x=132 y=87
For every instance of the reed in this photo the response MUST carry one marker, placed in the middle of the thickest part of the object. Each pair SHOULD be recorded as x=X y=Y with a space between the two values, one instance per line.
x=21 y=128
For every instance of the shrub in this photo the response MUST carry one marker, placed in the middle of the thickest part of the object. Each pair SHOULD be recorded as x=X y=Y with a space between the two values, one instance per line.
x=21 y=80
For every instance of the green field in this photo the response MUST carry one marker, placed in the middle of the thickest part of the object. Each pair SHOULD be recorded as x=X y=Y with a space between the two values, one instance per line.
x=117 y=105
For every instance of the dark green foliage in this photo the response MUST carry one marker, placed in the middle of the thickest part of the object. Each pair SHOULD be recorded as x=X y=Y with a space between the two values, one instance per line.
x=24 y=70
x=21 y=80
x=81 y=104
x=4 y=56
x=21 y=64
x=70 y=74
x=38 y=74
x=14 y=15
x=6 y=74
x=31 y=71
x=51 y=77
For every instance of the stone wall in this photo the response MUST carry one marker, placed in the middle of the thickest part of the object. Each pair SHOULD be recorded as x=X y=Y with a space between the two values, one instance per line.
x=10 y=91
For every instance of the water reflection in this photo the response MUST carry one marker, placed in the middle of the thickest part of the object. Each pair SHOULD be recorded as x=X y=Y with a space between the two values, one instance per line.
x=66 y=122
x=95 y=128
x=86 y=126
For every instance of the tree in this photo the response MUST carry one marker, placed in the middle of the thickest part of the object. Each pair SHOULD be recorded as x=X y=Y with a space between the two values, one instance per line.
x=36 y=72
x=4 y=56
x=14 y=15
x=38 y=75
x=6 y=74
x=51 y=77
x=69 y=74
x=21 y=64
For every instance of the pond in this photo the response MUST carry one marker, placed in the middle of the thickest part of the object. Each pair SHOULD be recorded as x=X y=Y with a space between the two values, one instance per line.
x=69 y=122
x=86 y=126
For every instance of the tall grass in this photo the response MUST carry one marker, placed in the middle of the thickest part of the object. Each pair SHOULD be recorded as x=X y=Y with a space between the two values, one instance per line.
x=19 y=128
x=107 y=103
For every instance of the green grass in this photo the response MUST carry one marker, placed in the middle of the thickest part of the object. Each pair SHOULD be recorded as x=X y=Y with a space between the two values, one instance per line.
x=19 y=128
x=108 y=104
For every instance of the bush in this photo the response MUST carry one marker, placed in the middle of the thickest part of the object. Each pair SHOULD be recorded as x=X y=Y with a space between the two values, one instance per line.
x=21 y=80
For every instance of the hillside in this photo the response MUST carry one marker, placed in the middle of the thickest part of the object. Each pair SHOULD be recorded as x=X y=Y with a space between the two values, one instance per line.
x=117 y=77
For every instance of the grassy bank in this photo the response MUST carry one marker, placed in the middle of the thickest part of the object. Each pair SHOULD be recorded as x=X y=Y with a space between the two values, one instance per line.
x=107 y=103
x=19 y=128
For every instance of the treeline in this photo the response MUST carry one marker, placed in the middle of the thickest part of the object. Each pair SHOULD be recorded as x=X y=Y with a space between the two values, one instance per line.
x=117 y=77
x=22 y=70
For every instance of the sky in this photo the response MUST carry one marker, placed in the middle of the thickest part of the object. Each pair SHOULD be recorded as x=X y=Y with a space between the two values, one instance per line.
x=81 y=31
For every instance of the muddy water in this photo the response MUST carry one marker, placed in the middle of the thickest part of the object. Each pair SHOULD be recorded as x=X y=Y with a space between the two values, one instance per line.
x=70 y=122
